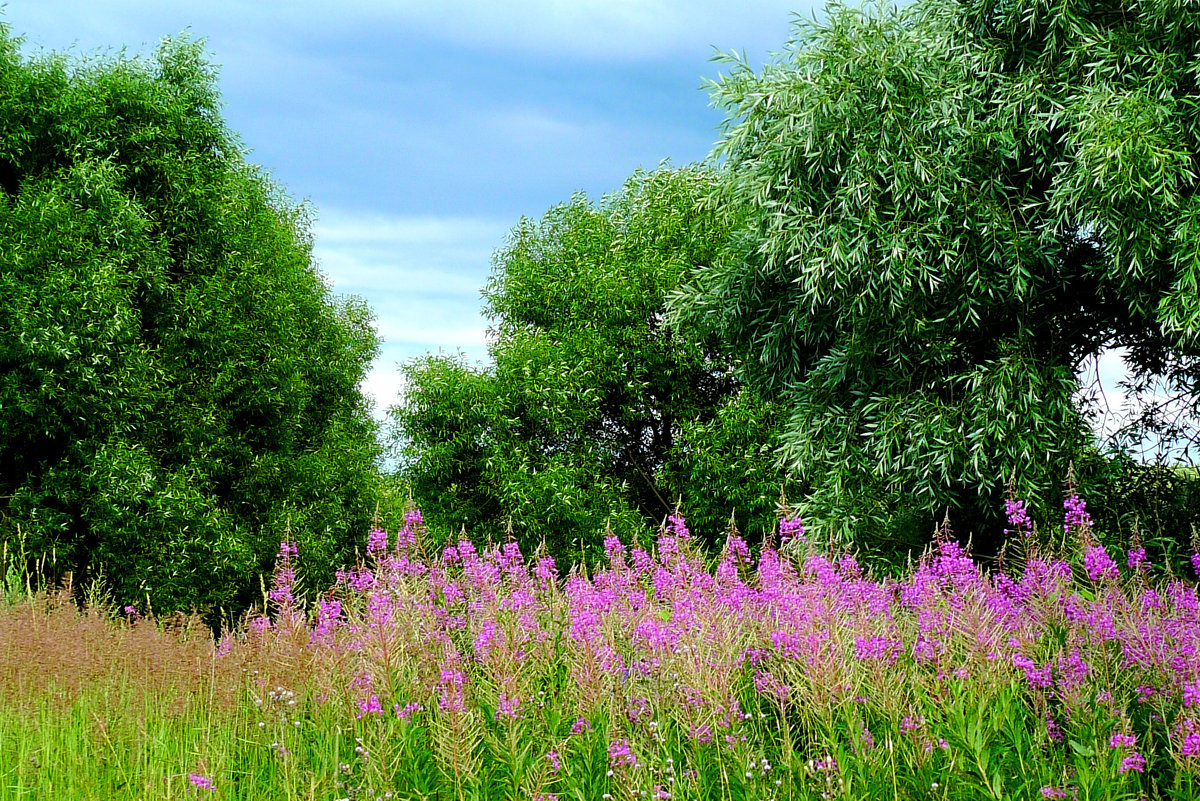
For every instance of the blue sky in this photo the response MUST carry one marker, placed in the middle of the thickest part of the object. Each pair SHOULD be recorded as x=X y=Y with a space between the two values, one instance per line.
x=421 y=132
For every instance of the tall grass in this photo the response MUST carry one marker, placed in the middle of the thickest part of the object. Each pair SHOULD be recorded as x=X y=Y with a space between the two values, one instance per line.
x=787 y=674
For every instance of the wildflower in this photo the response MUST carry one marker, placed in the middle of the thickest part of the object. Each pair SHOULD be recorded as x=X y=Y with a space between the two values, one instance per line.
x=677 y=526
x=377 y=541
x=1053 y=792
x=555 y=762
x=1134 y=762
x=1018 y=518
x=450 y=690
x=405 y=714
x=791 y=528
x=619 y=753
x=508 y=707
x=580 y=726
x=1137 y=558
x=1121 y=740
x=1076 y=516
x=1098 y=564
x=201 y=782
x=369 y=706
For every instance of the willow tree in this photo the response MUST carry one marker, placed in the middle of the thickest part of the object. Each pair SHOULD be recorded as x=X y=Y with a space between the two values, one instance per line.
x=956 y=205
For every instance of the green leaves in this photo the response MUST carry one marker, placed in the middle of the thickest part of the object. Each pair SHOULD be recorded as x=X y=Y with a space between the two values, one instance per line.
x=951 y=207
x=595 y=413
x=176 y=383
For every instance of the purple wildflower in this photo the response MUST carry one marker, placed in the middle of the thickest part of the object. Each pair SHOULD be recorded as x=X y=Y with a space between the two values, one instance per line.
x=791 y=528
x=369 y=706
x=1018 y=518
x=201 y=782
x=1098 y=564
x=1135 y=762
x=1076 y=516
x=1122 y=740
x=377 y=541
x=619 y=753
x=508 y=707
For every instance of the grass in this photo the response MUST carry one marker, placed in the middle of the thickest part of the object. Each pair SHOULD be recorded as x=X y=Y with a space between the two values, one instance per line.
x=787 y=674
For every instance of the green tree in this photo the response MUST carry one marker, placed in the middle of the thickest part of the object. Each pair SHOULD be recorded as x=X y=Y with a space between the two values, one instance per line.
x=178 y=389
x=955 y=204
x=594 y=412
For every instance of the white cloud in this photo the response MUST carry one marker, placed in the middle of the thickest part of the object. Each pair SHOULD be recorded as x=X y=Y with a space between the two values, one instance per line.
x=617 y=30
x=372 y=253
x=422 y=275
x=599 y=29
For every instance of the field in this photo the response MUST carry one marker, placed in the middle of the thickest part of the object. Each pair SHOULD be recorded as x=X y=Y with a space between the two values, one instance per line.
x=478 y=674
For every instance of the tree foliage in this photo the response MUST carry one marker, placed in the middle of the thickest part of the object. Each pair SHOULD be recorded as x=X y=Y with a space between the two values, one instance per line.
x=594 y=413
x=955 y=204
x=178 y=388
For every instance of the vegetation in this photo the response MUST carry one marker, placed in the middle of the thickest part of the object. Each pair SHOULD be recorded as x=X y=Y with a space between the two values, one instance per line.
x=924 y=220
x=786 y=674
x=178 y=388
x=593 y=414
x=955 y=203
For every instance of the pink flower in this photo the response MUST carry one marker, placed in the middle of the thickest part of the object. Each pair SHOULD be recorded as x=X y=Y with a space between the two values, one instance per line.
x=369 y=706
x=508 y=707
x=1098 y=564
x=1134 y=762
x=1121 y=740
x=201 y=782
x=619 y=753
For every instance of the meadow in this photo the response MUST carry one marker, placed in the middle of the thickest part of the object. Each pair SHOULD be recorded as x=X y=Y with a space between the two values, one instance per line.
x=1068 y=670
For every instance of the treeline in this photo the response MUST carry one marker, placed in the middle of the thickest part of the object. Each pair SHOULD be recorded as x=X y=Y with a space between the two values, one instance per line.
x=875 y=298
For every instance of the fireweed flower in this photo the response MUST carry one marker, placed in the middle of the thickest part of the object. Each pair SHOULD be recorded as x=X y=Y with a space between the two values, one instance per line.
x=1098 y=564
x=201 y=782
x=406 y=712
x=1076 y=514
x=647 y=623
x=1135 y=762
x=790 y=528
x=377 y=541
x=619 y=754
x=369 y=706
x=451 y=691
x=1137 y=558
x=1018 y=518
x=507 y=707
x=677 y=526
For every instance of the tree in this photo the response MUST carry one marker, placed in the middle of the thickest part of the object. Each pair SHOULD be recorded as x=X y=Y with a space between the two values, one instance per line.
x=955 y=205
x=178 y=389
x=592 y=413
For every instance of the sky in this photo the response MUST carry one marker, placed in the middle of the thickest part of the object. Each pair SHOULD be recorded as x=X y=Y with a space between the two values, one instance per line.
x=421 y=132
